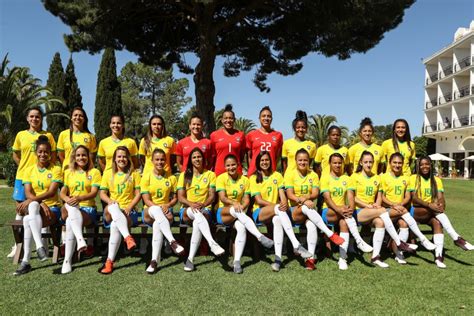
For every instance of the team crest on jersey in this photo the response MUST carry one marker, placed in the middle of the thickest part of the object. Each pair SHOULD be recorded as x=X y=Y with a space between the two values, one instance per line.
x=274 y=181
x=165 y=145
x=310 y=180
x=89 y=177
x=404 y=182
x=344 y=155
x=344 y=182
x=274 y=138
x=376 y=152
x=204 y=180
x=238 y=140
x=203 y=147
x=241 y=186
x=86 y=140
x=308 y=147
x=167 y=183
x=375 y=183
x=50 y=175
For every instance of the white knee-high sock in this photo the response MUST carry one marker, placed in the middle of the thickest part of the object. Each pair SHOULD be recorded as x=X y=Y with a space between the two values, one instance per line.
x=18 y=217
x=317 y=220
x=63 y=236
x=35 y=222
x=403 y=234
x=156 y=242
x=385 y=217
x=438 y=240
x=311 y=236
x=444 y=220
x=345 y=245
x=114 y=241
x=277 y=237
x=70 y=242
x=27 y=239
x=379 y=234
x=247 y=222
x=240 y=239
x=413 y=226
x=203 y=225
x=195 y=241
x=288 y=228
x=75 y=221
x=156 y=213
x=352 y=224
x=119 y=218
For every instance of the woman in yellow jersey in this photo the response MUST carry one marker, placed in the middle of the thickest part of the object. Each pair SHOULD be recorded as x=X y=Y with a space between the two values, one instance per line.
x=339 y=205
x=81 y=184
x=325 y=151
x=366 y=133
x=120 y=189
x=268 y=191
x=77 y=134
x=24 y=156
x=234 y=190
x=156 y=137
x=41 y=183
x=396 y=197
x=158 y=191
x=429 y=205
x=302 y=188
x=400 y=143
x=291 y=146
x=107 y=145
x=196 y=192
x=369 y=210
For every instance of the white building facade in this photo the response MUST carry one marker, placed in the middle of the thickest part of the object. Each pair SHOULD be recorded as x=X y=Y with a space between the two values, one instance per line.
x=449 y=102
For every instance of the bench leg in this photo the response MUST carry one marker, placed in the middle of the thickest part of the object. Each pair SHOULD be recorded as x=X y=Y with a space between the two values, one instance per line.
x=56 y=239
x=18 y=236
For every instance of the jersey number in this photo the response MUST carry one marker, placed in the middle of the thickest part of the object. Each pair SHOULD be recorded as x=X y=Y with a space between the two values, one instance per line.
x=265 y=146
x=196 y=190
x=369 y=191
x=398 y=190
x=41 y=185
x=79 y=186
x=120 y=188
x=304 y=189
x=159 y=193
x=338 y=192
x=235 y=193
x=269 y=191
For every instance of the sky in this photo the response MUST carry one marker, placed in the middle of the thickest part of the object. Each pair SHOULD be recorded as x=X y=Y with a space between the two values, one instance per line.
x=385 y=83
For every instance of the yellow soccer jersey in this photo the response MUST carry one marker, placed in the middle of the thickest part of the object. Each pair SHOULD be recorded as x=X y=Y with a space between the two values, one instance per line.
x=198 y=190
x=393 y=187
x=78 y=138
x=25 y=144
x=355 y=151
x=323 y=154
x=80 y=183
x=407 y=153
x=121 y=190
x=291 y=146
x=337 y=187
x=268 y=188
x=301 y=185
x=366 y=187
x=423 y=188
x=234 y=190
x=167 y=144
x=108 y=145
x=41 y=179
x=159 y=188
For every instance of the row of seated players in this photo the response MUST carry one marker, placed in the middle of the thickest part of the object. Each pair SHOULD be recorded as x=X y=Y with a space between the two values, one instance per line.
x=364 y=197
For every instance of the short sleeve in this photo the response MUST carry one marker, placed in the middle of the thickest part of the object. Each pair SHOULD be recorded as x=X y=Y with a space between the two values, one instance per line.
x=180 y=181
x=133 y=148
x=248 y=141
x=315 y=178
x=312 y=153
x=57 y=174
x=289 y=181
x=439 y=184
x=136 y=180
x=96 y=178
x=101 y=149
x=104 y=184
x=173 y=147
x=324 y=184
x=411 y=183
x=220 y=183
x=383 y=184
x=93 y=146
x=17 y=143
x=280 y=181
x=174 y=183
x=247 y=185
x=346 y=159
x=351 y=184
x=141 y=149
x=384 y=152
x=212 y=180
x=66 y=177
x=284 y=151
x=27 y=176
x=351 y=154
x=60 y=146
x=319 y=155
x=51 y=141
x=179 y=149
x=254 y=186
x=145 y=184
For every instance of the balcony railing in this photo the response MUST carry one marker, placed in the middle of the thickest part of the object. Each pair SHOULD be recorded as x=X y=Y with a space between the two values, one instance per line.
x=431 y=103
x=462 y=121
x=432 y=78
x=444 y=125
x=447 y=97
x=463 y=63
x=446 y=71
x=463 y=92
x=430 y=128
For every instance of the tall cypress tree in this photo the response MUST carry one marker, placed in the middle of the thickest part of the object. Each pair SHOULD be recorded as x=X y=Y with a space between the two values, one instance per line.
x=108 y=100
x=56 y=80
x=72 y=93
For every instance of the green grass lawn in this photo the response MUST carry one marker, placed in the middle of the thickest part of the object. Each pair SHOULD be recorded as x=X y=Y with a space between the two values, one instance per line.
x=419 y=287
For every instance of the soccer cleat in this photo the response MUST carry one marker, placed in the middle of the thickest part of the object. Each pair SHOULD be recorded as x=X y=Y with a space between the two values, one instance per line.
x=66 y=268
x=188 y=266
x=440 y=262
x=376 y=261
x=143 y=246
x=463 y=244
x=428 y=244
x=342 y=263
x=237 y=267
x=301 y=251
x=81 y=246
x=130 y=242
x=364 y=247
x=42 y=255
x=310 y=264
x=152 y=268
x=400 y=258
x=266 y=242
x=89 y=252
x=407 y=247
x=23 y=269
x=216 y=249
x=12 y=253
x=336 y=239
x=177 y=248
x=276 y=266
x=108 y=267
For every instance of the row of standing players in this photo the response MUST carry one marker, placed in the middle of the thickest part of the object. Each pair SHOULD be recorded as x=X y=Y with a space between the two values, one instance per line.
x=120 y=187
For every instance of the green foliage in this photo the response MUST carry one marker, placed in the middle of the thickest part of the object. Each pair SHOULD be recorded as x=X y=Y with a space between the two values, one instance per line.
x=265 y=36
x=8 y=167
x=241 y=123
x=318 y=129
x=56 y=84
x=382 y=132
x=72 y=93
x=108 y=100
x=421 y=145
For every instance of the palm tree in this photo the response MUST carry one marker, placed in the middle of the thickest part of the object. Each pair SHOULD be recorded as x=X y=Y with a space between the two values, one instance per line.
x=245 y=125
x=318 y=129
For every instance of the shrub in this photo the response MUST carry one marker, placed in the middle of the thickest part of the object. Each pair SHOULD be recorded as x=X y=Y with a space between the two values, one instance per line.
x=7 y=168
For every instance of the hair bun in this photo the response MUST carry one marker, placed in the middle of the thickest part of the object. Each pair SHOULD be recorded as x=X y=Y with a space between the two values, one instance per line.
x=301 y=115
x=228 y=108
x=366 y=121
x=43 y=138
